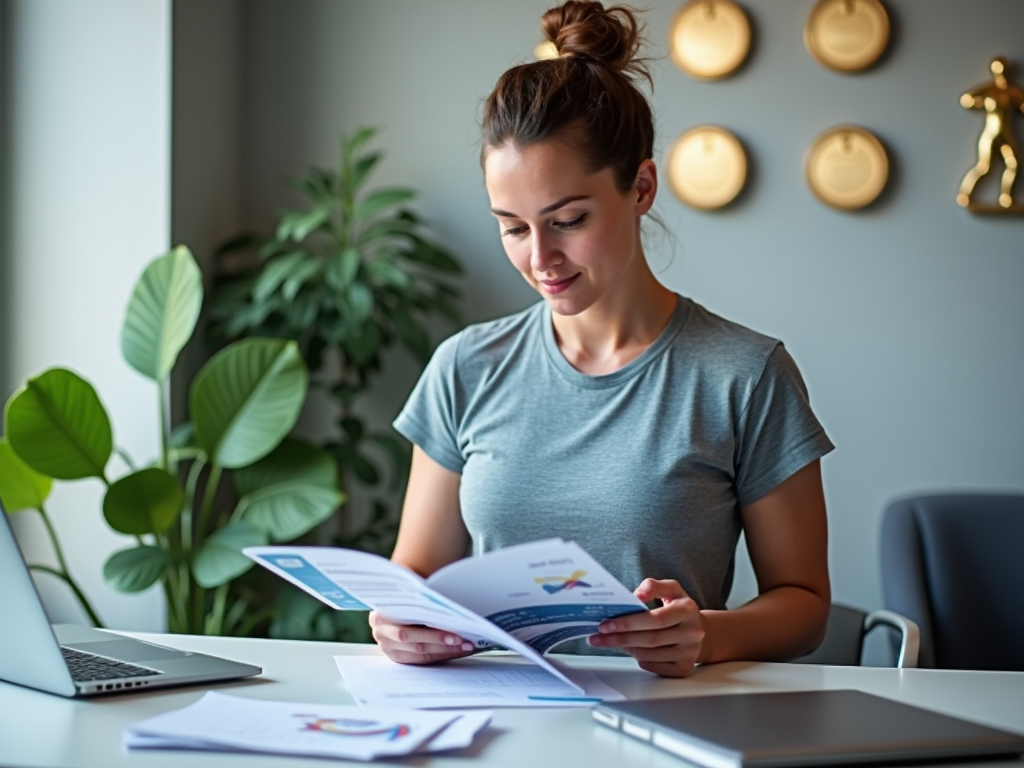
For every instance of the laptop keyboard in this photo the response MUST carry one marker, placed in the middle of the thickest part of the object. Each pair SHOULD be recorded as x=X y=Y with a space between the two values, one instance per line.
x=87 y=666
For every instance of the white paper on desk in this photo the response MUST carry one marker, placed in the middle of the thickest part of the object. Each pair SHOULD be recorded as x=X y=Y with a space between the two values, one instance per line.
x=219 y=722
x=376 y=680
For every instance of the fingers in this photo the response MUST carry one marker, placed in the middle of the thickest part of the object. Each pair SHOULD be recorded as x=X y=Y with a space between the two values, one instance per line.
x=660 y=589
x=408 y=644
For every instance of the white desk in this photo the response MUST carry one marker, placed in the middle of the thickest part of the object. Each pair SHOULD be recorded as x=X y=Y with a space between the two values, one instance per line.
x=42 y=731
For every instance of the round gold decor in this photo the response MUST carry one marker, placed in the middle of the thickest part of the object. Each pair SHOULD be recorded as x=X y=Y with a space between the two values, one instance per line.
x=707 y=167
x=709 y=38
x=847 y=35
x=846 y=167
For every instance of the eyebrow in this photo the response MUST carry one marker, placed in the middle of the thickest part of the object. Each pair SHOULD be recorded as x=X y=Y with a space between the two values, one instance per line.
x=546 y=209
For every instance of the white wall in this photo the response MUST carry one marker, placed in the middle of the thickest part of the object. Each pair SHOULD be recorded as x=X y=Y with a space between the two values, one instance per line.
x=906 y=319
x=87 y=158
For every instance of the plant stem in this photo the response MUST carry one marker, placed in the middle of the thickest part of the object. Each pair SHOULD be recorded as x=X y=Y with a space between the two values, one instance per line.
x=82 y=599
x=190 y=502
x=126 y=458
x=209 y=495
x=164 y=458
x=215 y=619
x=253 y=620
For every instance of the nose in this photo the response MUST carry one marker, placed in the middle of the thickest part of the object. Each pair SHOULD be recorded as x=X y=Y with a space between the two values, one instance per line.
x=543 y=254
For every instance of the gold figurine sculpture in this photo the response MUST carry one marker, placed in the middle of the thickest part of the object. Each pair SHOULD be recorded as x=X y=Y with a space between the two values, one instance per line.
x=1001 y=101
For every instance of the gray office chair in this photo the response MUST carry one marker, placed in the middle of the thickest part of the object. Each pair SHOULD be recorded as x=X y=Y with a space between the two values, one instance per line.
x=954 y=564
x=847 y=627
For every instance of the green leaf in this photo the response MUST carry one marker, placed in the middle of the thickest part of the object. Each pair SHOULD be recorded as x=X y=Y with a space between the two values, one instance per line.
x=162 y=313
x=432 y=256
x=57 y=425
x=364 y=345
x=302 y=273
x=381 y=200
x=385 y=271
x=342 y=268
x=247 y=398
x=363 y=166
x=359 y=138
x=147 y=501
x=287 y=510
x=365 y=470
x=21 y=487
x=136 y=569
x=297 y=225
x=292 y=460
x=360 y=301
x=412 y=335
x=183 y=435
x=220 y=558
x=276 y=272
x=398 y=454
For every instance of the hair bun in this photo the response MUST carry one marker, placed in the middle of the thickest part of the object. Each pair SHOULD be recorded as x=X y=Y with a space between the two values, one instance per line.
x=589 y=30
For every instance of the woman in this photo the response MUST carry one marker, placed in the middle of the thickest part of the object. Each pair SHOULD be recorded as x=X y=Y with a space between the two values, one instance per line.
x=614 y=413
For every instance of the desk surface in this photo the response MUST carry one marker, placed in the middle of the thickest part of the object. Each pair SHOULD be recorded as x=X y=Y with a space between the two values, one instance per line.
x=38 y=730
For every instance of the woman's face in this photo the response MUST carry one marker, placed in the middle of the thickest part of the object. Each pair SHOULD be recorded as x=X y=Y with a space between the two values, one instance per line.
x=573 y=235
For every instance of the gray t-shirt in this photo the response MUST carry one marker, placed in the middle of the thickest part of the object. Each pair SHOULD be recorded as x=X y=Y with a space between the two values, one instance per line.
x=646 y=467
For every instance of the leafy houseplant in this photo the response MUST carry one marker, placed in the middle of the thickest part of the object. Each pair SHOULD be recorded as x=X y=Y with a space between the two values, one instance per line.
x=349 y=276
x=243 y=403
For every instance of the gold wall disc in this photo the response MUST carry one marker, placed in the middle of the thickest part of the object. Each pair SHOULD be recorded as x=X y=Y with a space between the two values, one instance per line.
x=707 y=167
x=846 y=167
x=847 y=35
x=709 y=39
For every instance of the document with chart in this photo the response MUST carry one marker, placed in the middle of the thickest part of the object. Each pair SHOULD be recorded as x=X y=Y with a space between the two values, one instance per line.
x=526 y=598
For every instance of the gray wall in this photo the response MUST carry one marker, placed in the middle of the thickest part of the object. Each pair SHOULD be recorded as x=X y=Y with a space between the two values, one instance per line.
x=86 y=147
x=905 y=319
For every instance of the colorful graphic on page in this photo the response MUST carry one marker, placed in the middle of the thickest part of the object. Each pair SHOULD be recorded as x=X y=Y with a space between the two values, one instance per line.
x=553 y=584
x=342 y=726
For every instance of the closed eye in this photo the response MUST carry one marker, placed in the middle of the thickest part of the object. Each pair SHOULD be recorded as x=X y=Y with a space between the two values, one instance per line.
x=514 y=231
x=573 y=224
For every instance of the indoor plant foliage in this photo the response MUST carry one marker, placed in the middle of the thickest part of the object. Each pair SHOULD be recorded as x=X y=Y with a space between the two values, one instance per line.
x=243 y=403
x=350 y=276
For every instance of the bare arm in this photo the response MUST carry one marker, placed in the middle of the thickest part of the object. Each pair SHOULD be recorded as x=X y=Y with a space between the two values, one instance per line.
x=787 y=537
x=431 y=535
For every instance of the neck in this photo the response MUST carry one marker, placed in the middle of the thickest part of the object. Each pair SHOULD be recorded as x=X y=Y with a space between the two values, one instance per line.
x=618 y=327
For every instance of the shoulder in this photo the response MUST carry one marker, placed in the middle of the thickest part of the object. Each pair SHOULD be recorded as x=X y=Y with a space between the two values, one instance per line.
x=724 y=346
x=481 y=346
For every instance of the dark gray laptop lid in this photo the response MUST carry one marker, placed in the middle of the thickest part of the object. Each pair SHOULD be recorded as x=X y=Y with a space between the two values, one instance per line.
x=766 y=730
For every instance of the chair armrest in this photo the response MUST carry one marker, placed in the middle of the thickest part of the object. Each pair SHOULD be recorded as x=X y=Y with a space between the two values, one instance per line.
x=910 y=635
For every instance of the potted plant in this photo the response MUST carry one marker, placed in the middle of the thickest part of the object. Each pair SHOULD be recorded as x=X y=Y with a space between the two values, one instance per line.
x=243 y=402
x=351 y=275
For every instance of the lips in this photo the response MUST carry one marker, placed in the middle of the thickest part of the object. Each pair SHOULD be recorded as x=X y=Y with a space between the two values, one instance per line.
x=557 y=286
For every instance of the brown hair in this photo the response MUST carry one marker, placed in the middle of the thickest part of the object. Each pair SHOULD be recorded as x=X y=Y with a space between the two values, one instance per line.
x=588 y=96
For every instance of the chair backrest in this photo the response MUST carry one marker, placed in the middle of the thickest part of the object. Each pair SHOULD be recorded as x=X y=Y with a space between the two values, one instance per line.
x=954 y=564
x=843 y=644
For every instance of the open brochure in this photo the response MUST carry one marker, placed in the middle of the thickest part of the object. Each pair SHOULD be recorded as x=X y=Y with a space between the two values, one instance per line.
x=527 y=598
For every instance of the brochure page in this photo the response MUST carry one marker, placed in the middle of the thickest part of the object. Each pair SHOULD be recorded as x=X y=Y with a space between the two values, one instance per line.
x=543 y=593
x=348 y=579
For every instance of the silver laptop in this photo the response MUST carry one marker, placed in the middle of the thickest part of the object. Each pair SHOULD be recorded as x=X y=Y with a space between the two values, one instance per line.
x=79 y=661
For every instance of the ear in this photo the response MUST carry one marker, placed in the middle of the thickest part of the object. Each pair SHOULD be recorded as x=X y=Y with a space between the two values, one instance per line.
x=646 y=186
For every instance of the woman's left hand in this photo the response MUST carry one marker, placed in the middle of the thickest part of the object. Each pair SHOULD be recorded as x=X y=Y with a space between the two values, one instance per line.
x=666 y=640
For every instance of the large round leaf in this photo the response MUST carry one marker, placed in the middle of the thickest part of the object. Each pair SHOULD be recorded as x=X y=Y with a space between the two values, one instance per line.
x=220 y=559
x=290 y=491
x=162 y=313
x=146 y=501
x=57 y=425
x=136 y=569
x=21 y=487
x=247 y=398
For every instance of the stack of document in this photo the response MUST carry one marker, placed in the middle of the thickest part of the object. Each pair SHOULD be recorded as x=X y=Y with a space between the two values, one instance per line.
x=222 y=723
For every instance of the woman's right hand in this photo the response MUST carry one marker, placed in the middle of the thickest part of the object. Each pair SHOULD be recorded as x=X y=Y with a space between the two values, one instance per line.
x=415 y=644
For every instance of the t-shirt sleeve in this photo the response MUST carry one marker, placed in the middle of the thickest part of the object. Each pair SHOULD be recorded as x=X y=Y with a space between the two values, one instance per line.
x=778 y=432
x=429 y=418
